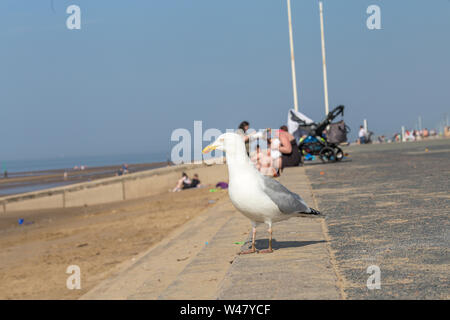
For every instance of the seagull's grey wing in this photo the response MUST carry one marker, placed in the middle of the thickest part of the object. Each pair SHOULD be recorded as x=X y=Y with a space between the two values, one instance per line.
x=286 y=201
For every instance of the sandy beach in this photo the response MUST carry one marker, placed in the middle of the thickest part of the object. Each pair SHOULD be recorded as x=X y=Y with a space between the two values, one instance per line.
x=34 y=256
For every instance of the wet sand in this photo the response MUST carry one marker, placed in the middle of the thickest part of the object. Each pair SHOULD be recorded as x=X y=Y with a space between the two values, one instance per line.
x=34 y=256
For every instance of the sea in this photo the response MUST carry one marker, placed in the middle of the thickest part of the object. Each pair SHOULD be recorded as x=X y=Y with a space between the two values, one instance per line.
x=38 y=167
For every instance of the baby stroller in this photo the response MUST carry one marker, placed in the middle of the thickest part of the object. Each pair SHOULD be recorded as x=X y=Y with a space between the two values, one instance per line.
x=310 y=135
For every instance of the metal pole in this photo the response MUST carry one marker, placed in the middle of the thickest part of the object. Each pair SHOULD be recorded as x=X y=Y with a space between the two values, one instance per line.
x=420 y=123
x=291 y=42
x=324 y=62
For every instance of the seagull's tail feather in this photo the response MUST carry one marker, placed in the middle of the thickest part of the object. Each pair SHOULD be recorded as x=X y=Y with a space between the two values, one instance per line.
x=315 y=212
x=312 y=212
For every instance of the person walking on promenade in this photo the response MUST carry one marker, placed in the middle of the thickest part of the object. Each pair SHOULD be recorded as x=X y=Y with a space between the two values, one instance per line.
x=362 y=135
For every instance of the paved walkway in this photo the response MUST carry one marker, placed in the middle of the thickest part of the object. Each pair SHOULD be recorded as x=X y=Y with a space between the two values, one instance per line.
x=388 y=205
x=200 y=260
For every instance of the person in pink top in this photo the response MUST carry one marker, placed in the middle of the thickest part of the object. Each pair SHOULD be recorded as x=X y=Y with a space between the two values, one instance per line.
x=263 y=162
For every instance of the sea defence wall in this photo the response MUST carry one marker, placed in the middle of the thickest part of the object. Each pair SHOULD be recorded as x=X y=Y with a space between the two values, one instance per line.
x=129 y=186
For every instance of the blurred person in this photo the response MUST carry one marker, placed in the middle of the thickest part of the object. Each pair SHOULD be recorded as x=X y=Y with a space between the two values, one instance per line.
x=290 y=153
x=255 y=158
x=274 y=145
x=184 y=180
x=195 y=183
x=242 y=130
x=263 y=162
x=447 y=131
x=362 y=135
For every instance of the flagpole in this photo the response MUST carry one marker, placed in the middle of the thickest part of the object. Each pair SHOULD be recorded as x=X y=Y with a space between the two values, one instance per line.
x=324 y=63
x=291 y=42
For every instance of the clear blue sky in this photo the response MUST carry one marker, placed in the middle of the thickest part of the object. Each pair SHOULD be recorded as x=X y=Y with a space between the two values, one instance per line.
x=139 y=69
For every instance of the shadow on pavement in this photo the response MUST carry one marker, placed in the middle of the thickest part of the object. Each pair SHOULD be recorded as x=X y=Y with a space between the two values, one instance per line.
x=261 y=244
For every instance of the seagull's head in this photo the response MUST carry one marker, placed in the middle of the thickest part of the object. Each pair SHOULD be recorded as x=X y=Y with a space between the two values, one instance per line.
x=230 y=142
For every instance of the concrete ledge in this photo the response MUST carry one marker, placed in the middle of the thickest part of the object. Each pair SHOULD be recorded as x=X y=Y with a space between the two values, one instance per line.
x=130 y=186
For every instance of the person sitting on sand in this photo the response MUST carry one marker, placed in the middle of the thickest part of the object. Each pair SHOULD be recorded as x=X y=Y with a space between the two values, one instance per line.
x=186 y=183
x=195 y=183
x=183 y=180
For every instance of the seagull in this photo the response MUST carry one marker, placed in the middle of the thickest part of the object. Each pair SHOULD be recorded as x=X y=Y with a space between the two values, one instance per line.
x=260 y=198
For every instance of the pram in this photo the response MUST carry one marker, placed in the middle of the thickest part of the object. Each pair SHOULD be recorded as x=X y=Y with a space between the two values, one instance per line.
x=310 y=137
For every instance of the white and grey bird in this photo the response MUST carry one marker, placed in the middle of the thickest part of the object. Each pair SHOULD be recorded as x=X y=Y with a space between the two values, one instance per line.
x=260 y=198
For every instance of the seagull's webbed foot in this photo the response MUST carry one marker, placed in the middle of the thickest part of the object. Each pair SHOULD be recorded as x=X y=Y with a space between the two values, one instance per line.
x=265 y=251
x=252 y=250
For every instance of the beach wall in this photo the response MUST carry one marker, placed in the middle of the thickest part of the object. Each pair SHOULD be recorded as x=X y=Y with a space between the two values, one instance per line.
x=129 y=186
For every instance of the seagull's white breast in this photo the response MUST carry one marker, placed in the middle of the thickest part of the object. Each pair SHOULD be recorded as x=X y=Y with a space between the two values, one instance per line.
x=246 y=185
x=248 y=197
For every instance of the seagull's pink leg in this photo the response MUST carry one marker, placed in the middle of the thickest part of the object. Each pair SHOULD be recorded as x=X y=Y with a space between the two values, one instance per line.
x=253 y=249
x=270 y=243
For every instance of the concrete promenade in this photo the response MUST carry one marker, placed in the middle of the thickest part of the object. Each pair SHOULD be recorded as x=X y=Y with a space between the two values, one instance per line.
x=388 y=205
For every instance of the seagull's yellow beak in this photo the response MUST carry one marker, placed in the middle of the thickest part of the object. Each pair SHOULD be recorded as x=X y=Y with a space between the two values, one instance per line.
x=209 y=148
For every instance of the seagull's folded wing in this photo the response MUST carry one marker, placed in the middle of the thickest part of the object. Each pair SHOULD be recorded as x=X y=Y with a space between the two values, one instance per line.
x=287 y=201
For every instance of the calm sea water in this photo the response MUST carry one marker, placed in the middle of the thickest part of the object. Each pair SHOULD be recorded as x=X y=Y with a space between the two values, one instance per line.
x=13 y=166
